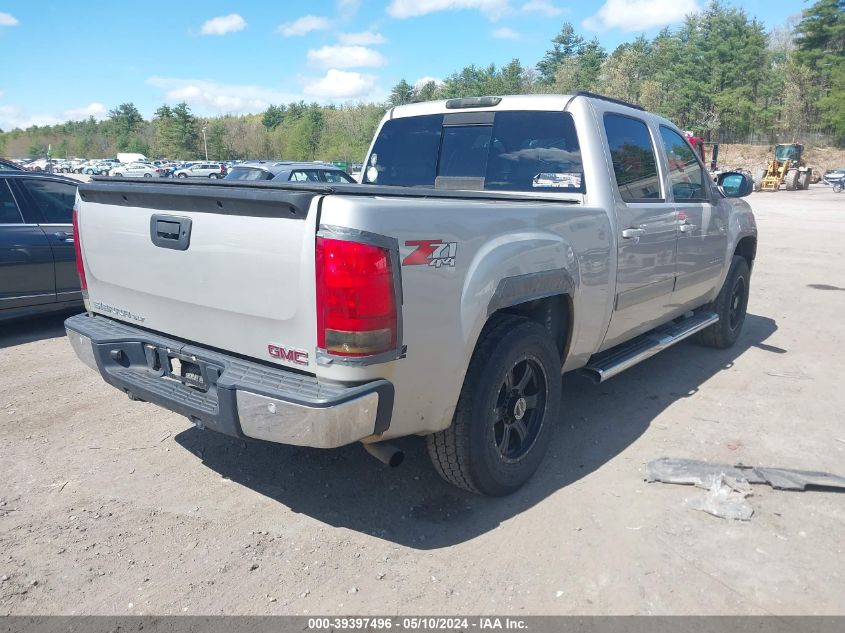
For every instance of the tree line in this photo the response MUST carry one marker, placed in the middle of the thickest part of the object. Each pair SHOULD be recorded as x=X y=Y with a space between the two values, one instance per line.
x=720 y=74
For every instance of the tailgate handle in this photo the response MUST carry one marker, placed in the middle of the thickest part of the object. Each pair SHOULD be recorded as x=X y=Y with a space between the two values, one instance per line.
x=170 y=231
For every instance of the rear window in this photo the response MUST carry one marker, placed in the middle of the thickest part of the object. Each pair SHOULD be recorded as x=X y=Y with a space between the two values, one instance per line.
x=518 y=151
x=248 y=173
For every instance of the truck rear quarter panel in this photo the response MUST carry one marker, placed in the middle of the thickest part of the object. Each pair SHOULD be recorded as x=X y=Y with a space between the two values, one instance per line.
x=446 y=306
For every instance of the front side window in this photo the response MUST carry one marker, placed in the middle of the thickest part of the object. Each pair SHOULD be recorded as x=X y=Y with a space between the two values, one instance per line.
x=634 y=163
x=9 y=212
x=685 y=173
x=54 y=199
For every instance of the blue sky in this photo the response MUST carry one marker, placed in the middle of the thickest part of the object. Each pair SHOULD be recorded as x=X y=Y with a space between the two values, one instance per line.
x=66 y=60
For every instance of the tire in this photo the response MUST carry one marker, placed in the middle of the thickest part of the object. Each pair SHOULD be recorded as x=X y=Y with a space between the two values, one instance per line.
x=182 y=176
x=490 y=448
x=791 y=180
x=730 y=305
x=148 y=175
x=758 y=179
x=118 y=175
x=213 y=176
x=838 y=187
x=804 y=179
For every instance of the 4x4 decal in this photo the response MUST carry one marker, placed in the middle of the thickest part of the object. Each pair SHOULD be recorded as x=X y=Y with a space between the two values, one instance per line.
x=435 y=253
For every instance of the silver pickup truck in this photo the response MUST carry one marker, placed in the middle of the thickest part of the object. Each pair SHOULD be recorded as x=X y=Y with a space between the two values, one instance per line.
x=494 y=244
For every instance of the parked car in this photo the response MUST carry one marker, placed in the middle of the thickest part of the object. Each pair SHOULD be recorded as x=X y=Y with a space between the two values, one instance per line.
x=40 y=164
x=285 y=170
x=834 y=176
x=202 y=170
x=138 y=170
x=517 y=238
x=7 y=165
x=98 y=168
x=37 y=258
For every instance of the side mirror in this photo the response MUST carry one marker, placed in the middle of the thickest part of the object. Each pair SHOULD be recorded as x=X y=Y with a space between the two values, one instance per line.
x=735 y=184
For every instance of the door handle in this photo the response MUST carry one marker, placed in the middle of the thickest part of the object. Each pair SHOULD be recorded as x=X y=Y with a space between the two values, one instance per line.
x=687 y=228
x=63 y=236
x=631 y=233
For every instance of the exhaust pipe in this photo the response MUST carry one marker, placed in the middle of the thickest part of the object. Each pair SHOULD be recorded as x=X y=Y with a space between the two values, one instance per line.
x=386 y=453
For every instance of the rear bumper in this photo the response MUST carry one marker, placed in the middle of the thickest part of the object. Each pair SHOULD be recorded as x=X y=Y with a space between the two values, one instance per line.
x=230 y=395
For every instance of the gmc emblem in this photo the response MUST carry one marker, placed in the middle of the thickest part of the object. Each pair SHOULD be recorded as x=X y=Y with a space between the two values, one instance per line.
x=296 y=356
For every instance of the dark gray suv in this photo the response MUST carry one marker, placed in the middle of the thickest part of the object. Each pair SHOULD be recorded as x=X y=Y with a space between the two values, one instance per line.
x=286 y=170
x=37 y=254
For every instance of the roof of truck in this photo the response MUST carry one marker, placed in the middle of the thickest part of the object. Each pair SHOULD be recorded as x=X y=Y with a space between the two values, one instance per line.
x=545 y=102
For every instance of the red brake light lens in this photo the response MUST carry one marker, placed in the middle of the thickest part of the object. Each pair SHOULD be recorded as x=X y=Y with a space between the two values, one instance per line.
x=356 y=298
x=77 y=246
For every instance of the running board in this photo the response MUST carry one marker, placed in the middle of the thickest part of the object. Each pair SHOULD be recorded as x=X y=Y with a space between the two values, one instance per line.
x=616 y=360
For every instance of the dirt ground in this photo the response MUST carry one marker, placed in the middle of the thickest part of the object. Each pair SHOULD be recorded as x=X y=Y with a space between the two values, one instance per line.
x=114 y=507
x=752 y=157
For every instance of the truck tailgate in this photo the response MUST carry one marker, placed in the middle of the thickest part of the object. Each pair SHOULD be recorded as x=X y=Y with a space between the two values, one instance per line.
x=226 y=267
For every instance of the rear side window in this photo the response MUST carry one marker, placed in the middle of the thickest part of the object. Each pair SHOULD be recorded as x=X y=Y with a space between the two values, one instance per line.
x=54 y=199
x=685 y=172
x=335 y=176
x=634 y=163
x=9 y=212
x=248 y=173
x=519 y=151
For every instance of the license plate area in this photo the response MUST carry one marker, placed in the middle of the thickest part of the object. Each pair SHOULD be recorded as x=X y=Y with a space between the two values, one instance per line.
x=188 y=370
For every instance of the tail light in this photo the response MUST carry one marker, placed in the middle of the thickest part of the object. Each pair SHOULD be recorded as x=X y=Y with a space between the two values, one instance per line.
x=356 y=298
x=77 y=246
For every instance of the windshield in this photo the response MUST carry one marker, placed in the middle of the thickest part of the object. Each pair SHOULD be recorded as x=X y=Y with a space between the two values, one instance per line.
x=510 y=151
x=786 y=152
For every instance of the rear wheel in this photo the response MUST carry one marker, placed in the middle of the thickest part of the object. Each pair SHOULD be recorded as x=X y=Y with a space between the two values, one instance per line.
x=508 y=404
x=791 y=180
x=148 y=175
x=730 y=305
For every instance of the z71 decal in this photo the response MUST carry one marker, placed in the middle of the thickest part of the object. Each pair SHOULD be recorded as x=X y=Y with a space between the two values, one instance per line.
x=435 y=253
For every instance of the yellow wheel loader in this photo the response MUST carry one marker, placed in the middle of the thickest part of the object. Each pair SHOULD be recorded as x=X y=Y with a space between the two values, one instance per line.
x=787 y=168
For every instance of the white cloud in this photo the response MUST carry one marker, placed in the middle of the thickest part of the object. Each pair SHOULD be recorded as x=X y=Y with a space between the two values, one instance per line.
x=542 y=6
x=364 y=38
x=345 y=57
x=348 y=7
x=505 y=33
x=223 y=24
x=639 y=15
x=303 y=25
x=13 y=116
x=210 y=96
x=95 y=109
x=339 y=84
x=402 y=9
x=7 y=19
x=419 y=83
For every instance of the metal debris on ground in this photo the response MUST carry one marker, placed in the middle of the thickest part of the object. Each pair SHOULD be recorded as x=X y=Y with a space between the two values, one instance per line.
x=725 y=499
x=702 y=474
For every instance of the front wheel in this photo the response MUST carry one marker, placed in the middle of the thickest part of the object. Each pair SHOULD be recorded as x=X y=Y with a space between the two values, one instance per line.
x=509 y=402
x=731 y=306
x=181 y=175
x=838 y=187
x=148 y=175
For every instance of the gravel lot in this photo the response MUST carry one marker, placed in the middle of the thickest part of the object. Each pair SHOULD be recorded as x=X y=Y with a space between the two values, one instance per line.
x=114 y=507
